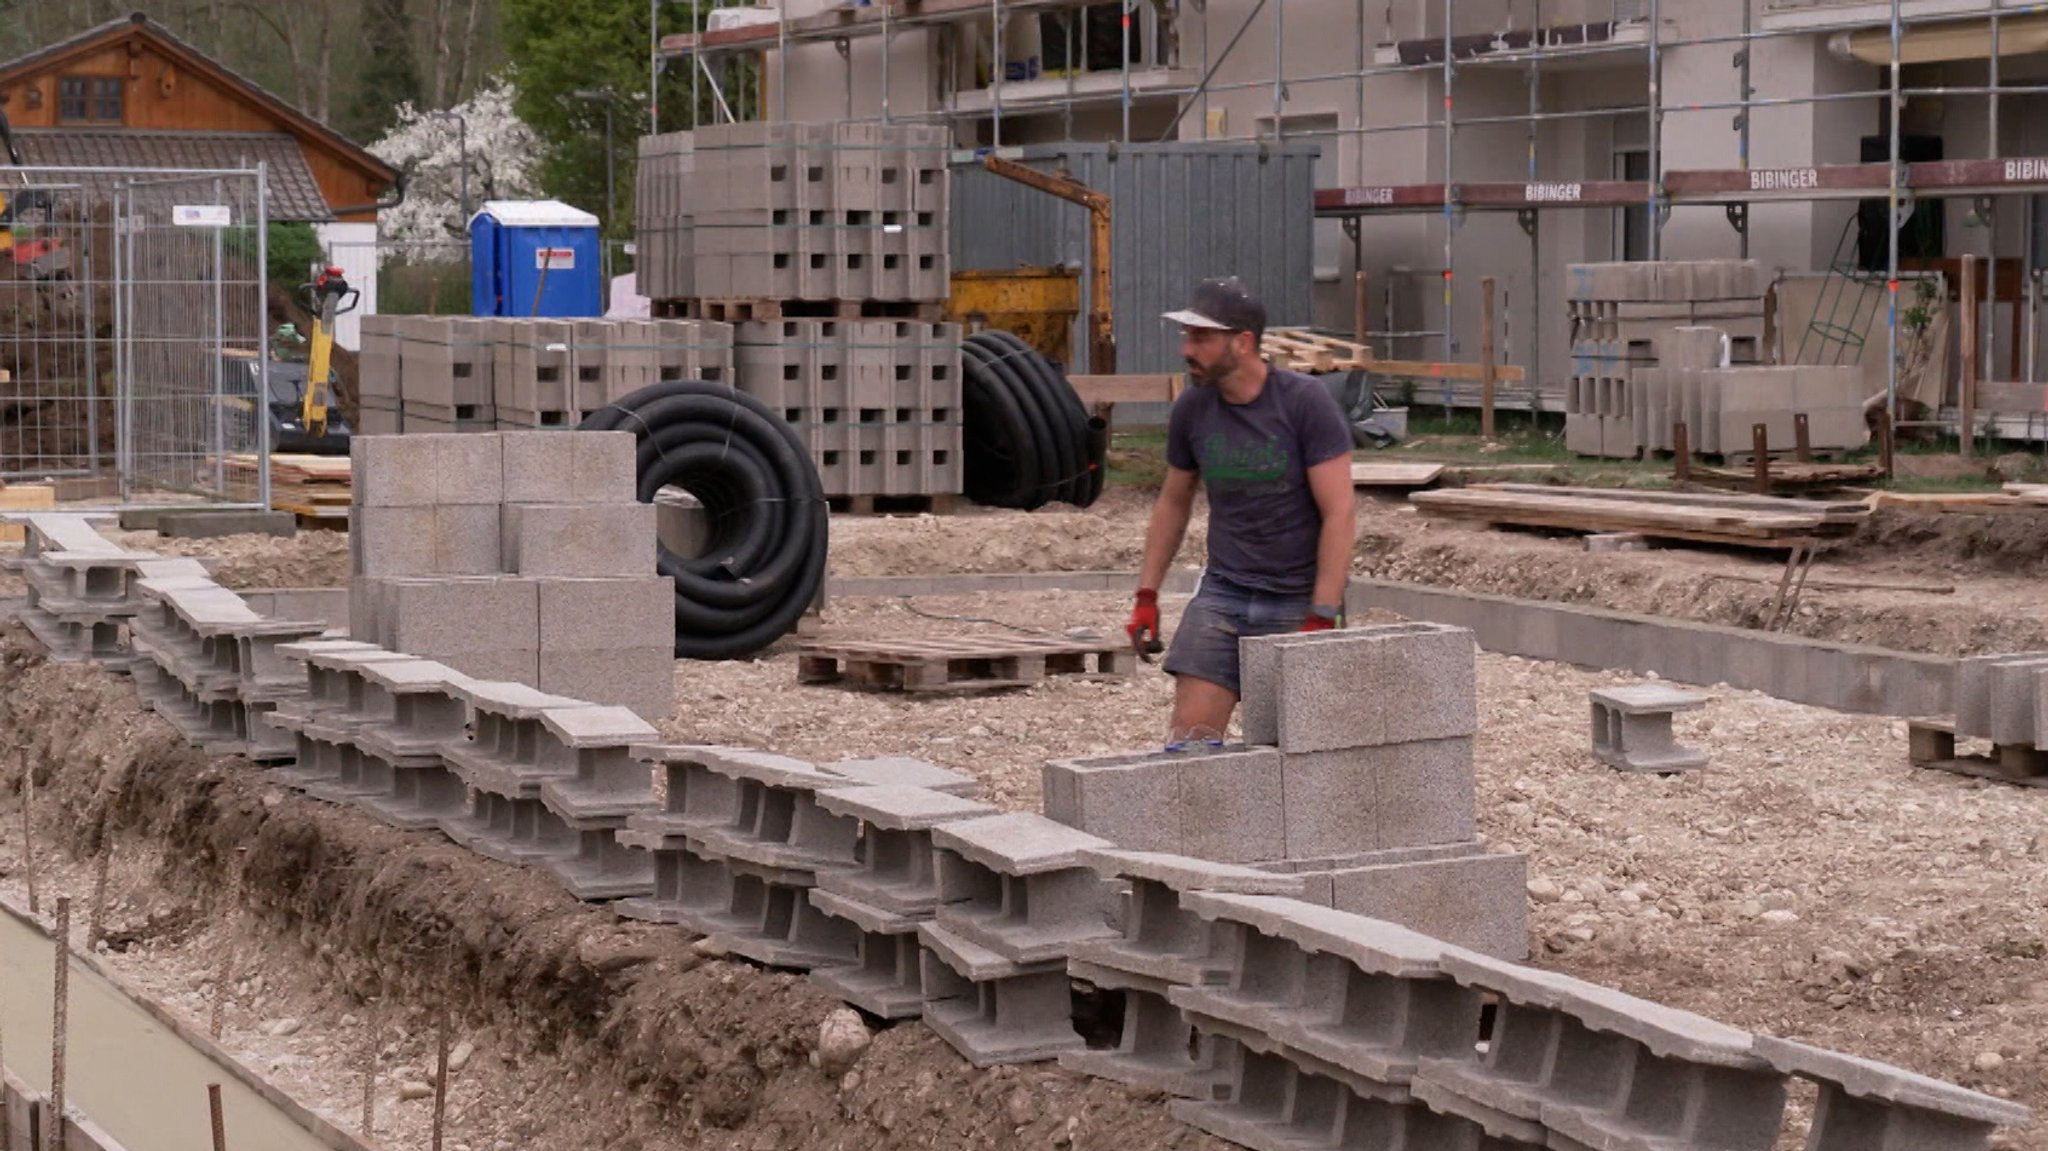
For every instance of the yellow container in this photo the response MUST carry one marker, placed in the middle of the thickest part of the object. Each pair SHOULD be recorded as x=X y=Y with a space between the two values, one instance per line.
x=1037 y=305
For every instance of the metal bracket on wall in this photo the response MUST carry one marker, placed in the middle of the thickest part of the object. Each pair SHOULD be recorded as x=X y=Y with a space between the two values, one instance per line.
x=1738 y=217
x=1350 y=224
x=1662 y=208
x=1526 y=217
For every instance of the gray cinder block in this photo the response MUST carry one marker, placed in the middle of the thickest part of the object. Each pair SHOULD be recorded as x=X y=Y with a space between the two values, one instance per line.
x=1161 y=939
x=1632 y=728
x=1869 y=1106
x=1015 y=884
x=1369 y=798
x=1477 y=900
x=1156 y=1049
x=1402 y=682
x=902 y=771
x=393 y=471
x=1223 y=804
x=887 y=979
x=605 y=614
x=641 y=678
x=615 y=539
x=440 y=618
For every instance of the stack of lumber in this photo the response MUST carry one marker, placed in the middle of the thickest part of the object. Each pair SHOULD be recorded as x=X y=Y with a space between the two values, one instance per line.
x=1301 y=350
x=1788 y=476
x=22 y=498
x=2015 y=498
x=313 y=487
x=1739 y=521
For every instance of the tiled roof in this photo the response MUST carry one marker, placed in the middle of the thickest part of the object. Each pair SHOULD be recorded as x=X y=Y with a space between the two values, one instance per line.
x=293 y=194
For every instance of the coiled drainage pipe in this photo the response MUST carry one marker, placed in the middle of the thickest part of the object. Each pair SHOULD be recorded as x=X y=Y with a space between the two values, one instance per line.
x=1027 y=439
x=764 y=511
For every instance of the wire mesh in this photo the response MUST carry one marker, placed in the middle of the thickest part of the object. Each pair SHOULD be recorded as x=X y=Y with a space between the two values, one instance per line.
x=193 y=336
x=56 y=301
x=127 y=300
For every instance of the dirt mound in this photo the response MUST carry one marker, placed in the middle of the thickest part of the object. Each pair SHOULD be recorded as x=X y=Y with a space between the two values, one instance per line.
x=607 y=1033
x=309 y=559
x=1997 y=543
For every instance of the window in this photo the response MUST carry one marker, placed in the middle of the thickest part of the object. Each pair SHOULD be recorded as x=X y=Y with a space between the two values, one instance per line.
x=89 y=99
x=1634 y=164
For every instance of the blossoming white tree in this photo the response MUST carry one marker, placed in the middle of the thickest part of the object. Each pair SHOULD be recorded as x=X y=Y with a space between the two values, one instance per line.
x=500 y=150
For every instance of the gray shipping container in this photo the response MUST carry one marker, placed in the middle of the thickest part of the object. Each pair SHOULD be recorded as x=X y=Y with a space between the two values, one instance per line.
x=1179 y=212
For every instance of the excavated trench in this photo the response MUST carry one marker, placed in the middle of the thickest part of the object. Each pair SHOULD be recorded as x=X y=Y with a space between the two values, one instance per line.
x=592 y=1031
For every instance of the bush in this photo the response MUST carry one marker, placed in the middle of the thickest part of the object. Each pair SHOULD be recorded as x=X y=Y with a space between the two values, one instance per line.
x=294 y=252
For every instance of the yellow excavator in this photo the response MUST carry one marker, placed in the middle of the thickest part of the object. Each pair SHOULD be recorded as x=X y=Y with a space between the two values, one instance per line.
x=327 y=297
x=300 y=404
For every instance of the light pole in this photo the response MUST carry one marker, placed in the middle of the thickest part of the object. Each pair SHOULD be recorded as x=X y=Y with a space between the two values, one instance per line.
x=610 y=196
x=462 y=150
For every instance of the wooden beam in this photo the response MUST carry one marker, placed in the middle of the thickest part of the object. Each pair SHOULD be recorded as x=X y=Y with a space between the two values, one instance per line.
x=1126 y=389
x=1488 y=370
x=1968 y=308
x=1424 y=370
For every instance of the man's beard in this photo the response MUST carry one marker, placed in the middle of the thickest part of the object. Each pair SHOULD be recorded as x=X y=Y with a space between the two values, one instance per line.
x=1215 y=374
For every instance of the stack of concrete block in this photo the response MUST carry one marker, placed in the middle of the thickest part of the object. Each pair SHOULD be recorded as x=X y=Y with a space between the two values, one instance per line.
x=1015 y=897
x=1320 y=1021
x=81 y=586
x=892 y=891
x=664 y=264
x=212 y=666
x=1164 y=947
x=503 y=767
x=814 y=212
x=877 y=402
x=519 y=556
x=325 y=722
x=1867 y=1104
x=609 y=786
x=2003 y=698
x=1622 y=315
x=1367 y=793
x=1722 y=408
x=737 y=846
x=481 y=374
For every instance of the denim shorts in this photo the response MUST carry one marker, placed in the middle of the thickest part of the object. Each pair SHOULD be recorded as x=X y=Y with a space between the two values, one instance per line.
x=1222 y=612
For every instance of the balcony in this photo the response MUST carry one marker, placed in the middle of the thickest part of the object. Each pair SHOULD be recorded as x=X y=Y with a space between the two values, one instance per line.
x=1797 y=15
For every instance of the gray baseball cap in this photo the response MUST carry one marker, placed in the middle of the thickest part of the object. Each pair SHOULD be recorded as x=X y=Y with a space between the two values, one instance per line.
x=1222 y=305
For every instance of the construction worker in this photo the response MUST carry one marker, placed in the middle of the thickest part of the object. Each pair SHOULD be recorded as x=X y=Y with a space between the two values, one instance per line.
x=1273 y=452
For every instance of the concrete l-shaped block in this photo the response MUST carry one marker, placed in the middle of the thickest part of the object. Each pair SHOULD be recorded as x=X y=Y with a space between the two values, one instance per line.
x=1360 y=994
x=904 y=771
x=1359 y=687
x=1868 y=1106
x=898 y=872
x=599 y=743
x=1161 y=938
x=1015 y=885
x=1156 y=1049
x=1597 y=1066
x=778 y=822
x=991 y=1010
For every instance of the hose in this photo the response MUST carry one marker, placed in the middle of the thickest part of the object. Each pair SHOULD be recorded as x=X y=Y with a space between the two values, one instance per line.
x=1028 y=441
x=764 y=557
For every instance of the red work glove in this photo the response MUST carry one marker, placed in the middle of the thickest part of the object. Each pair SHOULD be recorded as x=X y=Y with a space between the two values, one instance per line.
x=1314 y=622
x=1144 y=626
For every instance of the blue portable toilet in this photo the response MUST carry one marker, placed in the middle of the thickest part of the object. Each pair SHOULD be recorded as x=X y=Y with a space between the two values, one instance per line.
x=534 y=258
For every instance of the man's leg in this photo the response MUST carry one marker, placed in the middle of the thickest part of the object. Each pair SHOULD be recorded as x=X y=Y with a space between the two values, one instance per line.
x=1201 y=709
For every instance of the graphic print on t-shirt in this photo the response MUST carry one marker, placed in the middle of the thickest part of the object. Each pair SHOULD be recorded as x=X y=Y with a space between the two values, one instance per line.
x=1248 y=467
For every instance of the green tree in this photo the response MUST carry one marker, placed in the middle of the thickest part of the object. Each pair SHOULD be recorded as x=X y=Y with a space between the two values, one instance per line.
x=562 y=47
x=389 y=75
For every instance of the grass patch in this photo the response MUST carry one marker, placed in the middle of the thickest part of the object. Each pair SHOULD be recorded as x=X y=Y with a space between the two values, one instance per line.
x=1137 y=458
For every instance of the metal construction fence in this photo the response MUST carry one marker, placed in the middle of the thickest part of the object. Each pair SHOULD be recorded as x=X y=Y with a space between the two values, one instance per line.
x=132 y=310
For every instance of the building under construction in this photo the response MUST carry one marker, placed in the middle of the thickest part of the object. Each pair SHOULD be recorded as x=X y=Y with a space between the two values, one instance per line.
x=1464 y=139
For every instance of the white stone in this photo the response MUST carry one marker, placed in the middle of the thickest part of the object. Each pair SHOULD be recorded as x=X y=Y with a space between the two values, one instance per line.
x=842 y=1039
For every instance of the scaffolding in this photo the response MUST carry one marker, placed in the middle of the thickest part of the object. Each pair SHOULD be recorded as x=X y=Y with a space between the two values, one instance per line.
x=1637 y=30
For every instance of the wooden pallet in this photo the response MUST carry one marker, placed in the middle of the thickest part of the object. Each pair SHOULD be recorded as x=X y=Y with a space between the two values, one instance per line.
x=936 y=505
x=1301 y=350
x=742 y=311
x=959 y=663
x=1379 y=475
x=1931 y=744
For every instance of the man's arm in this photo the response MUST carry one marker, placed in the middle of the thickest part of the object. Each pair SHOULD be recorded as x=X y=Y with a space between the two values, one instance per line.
x=1169 y=524
x=1330 y=483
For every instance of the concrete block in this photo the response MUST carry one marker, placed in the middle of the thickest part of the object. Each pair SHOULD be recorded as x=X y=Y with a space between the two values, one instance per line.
x=1411 y=681
x=616 y=539
x=1161 y=939
x=1017 y=843
x=439 y=618
x=605 y=614
x=1364 y=799
x=210 y=524
x=640 y=678
x=1477 y=901
x=603 y=869
x=991 y=1011
x=2013 y=690
x=1221 y=803
x=470 y=469
x=1632 y=728
x=898 y=871
x=1278 y=1099
x=685 y=883
x=393 y=471
x=1868 y=1105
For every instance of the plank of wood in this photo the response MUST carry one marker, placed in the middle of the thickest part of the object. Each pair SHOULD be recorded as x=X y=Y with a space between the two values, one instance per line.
x=1839 y=508
x=1126 y=389
x=1424 y=370
x=1379 y=475
x=24 y=498
x=1954 y=501
x=1612 y=515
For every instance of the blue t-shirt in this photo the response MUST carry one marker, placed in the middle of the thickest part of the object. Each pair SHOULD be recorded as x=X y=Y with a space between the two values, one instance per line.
x=1254 y=459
